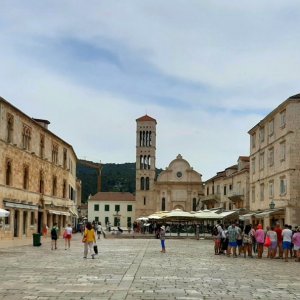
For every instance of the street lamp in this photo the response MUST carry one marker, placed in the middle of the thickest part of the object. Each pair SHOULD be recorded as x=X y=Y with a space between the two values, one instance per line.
x=272 y=204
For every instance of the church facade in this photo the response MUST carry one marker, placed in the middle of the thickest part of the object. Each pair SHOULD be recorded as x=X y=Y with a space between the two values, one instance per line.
x=179 y=186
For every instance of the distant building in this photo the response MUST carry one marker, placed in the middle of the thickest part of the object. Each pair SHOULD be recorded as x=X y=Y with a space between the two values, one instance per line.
x=229 y=189
x=38 y=182
x=275 y=165
x=179 y=186
x=117 y=208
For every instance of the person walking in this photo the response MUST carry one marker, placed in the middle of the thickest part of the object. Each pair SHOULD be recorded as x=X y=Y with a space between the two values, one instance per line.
x=232 y=240
x=247 y=241
x=239 y=238
x=89 y=238
x=162 y=236
x=217 y=235
x=45 y=230
x=54 y=236
x=99 y=230
x=273 y=237
x=296 y=241
x=286 y=241
x=278 y=231
x=68 y=236
x=260 y=239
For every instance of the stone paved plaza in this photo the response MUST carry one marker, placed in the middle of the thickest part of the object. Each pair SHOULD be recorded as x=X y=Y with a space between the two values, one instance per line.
x=135 y=269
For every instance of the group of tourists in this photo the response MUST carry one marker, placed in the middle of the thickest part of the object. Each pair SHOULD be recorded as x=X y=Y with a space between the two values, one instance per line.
x=235 y=240
x=67 y=235
x=91 y=232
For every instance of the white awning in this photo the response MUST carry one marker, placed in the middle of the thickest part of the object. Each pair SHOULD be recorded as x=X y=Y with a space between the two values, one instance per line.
x=57 y=212
x=246 y=216
x=265 y=213
x=20 y=205
x=73 y=211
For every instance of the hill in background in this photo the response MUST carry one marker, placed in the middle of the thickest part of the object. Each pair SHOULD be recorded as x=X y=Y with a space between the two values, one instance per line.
x=115 y=178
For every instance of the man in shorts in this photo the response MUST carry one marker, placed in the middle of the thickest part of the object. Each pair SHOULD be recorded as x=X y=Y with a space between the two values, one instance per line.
x=287 y=241
x=232 y=240
x=217 y=235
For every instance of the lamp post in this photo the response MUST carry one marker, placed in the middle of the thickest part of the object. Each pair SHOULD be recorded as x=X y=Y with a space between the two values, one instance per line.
x=272 y=204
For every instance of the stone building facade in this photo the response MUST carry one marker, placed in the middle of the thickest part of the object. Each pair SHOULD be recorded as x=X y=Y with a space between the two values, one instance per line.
x=179 y=186
x=229 y=189
x=38 y=182
x=116 y=208
x=275 y=165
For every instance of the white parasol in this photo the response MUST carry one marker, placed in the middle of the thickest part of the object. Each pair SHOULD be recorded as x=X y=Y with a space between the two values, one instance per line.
x=4 y=213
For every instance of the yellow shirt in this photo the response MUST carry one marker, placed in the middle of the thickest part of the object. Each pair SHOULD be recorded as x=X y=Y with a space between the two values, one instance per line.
x=90 y=235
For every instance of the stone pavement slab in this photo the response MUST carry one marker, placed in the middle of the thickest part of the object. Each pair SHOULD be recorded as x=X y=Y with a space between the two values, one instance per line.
x=135 y=269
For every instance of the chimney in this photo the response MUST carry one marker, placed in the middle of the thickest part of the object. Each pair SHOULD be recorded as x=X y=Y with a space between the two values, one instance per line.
x=43 y=123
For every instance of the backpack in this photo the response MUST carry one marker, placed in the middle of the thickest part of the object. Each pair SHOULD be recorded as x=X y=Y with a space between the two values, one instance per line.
x=215 y=231
x=53 y=232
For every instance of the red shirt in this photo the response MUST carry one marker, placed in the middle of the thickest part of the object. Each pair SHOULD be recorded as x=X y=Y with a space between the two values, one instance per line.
x=278 y=230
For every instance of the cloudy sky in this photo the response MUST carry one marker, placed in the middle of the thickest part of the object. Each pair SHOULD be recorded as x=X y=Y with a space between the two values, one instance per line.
x=207 y=71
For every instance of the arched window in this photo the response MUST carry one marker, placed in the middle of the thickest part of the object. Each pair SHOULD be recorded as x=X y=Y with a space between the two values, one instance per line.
x=142 y=183
x=149 y=162
x=42 y=146
x=8 y=172
x=55 y=153
x=26 y=137
x=64 y=189
x=54 y=186
x=147 y=138
x=141 y=138
x=144 y=139
x=194 y=204
x=10 y=128
x=141 y=162
x=163 y=204
x=41 y=182
x=150 y=141
x=25 y=177
x=147 y=183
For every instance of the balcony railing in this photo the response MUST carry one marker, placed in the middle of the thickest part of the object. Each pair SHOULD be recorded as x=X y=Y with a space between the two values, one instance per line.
x=236 y=196
x=210 y=198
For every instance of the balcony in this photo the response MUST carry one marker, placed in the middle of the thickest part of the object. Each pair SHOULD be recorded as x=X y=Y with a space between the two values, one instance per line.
x=236 y=196
x=210 y=199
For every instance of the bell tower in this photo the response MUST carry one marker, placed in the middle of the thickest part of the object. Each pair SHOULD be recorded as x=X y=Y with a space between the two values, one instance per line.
x=145 y=165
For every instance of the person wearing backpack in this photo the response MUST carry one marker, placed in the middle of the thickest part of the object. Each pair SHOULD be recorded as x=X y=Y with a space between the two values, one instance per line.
x=217 y=235
x=54 y=236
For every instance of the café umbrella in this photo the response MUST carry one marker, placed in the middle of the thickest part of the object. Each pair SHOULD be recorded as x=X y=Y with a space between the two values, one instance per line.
x=4 y=213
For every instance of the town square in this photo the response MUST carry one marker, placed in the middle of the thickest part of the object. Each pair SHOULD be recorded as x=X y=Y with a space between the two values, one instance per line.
x=149 y=150
x=128 y=268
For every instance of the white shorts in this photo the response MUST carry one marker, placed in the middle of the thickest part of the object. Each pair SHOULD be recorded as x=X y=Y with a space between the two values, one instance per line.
x=296 y=248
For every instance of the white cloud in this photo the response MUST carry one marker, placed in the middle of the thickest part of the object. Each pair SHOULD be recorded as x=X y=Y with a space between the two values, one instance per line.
x=239 y=59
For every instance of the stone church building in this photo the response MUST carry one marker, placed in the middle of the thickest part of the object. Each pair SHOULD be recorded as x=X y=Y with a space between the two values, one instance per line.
x=179 y=186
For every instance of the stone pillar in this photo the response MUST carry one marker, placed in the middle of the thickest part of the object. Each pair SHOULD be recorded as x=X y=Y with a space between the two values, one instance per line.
x=20 y=221
x=44 y=218
x=61 y=225
x=267 y=221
